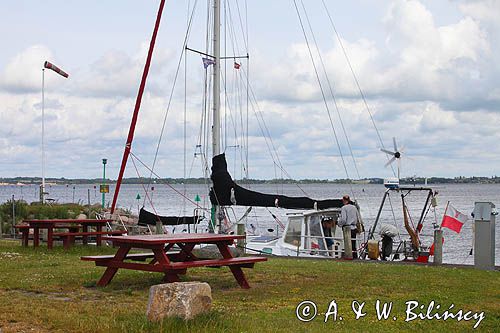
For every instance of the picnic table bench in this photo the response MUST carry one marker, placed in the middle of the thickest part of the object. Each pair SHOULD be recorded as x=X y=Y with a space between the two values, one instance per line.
x=24 y=229
x=76 y=227
x=69 y=237
x=171 y=264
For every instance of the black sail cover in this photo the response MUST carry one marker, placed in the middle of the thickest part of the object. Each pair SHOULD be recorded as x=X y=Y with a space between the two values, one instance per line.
x=226 y=192
x=146 y=217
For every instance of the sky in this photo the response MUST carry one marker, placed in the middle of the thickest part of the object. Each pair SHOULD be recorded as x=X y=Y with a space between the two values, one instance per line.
x=429 y=71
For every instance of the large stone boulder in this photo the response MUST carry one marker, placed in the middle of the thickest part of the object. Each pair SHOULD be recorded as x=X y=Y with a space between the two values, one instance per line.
x=178 y=299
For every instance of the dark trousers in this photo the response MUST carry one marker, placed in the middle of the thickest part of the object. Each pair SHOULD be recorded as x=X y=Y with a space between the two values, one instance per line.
x=386 y=247
x=353 y=244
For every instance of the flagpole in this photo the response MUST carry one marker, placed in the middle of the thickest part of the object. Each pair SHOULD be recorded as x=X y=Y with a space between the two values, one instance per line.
x=445 y=210
x=59 y=71
x=42 y=194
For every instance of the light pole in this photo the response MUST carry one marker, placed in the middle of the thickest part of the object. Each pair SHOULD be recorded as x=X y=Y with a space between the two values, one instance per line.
x=59 y=71
x=104 y=161
x=42 y=189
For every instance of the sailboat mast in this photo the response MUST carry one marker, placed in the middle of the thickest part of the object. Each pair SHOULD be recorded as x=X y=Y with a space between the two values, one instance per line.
x=216 y=98
x=216 y=82
x=130 y=137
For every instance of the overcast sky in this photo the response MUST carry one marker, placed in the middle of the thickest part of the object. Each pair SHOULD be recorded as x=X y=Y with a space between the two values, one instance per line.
x=429 y=71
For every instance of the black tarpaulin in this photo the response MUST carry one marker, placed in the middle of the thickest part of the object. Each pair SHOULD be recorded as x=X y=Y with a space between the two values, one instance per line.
x=226 y=192
x=146 y=217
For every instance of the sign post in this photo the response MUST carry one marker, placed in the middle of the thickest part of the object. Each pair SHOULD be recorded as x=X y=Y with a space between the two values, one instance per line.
x=104 y=187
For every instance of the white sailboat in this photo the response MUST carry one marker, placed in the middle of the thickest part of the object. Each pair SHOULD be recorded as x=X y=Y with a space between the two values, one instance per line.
x=305 y=232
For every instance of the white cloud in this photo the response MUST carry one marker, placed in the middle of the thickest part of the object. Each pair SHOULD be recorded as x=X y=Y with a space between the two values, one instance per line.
x=434 y=119
x=419 y=61
x=116 y=74
x=23 y=73
x=486 y=10
x=434 y=62
x=434 y=87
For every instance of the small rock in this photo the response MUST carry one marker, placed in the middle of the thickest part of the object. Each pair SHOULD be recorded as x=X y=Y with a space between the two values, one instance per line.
x=81 y=217
x=124 y=218
x=178 y=299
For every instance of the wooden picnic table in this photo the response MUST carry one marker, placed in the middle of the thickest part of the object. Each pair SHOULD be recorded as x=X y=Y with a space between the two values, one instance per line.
x=172 y=264
x=73 y=225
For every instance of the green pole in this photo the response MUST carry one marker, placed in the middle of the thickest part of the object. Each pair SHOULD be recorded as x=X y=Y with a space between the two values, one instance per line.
x=103 y=179
x=211 y=225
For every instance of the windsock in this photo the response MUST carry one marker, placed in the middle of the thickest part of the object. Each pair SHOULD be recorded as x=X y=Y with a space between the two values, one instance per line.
x=55 y=69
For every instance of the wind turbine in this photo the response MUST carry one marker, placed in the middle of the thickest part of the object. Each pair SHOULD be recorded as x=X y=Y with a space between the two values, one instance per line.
x=396 y=155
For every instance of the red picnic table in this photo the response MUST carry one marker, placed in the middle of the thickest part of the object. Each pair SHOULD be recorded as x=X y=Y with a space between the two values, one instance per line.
x=73 y=225
x=172 y=264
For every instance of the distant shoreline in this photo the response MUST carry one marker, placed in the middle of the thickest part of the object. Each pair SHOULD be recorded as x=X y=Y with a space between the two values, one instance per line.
x=404 y=181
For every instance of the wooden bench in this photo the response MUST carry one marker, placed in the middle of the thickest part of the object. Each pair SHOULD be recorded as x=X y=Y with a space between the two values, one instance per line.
x=132 y=256
x=24 y=229
x=245 y=262
x=172 y=255
x=69 y=237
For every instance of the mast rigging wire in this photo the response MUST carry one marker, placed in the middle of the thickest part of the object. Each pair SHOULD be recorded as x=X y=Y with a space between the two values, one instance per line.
x=331 y=90
x=356 y=80
x=322 y=91
x=336 y=108
x=170 y=186
x=186 y=37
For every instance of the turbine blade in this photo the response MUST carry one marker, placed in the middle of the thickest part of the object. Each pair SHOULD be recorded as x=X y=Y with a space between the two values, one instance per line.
x=390 y=161
x=402 y=149
x=394 y=141
x=387 y=151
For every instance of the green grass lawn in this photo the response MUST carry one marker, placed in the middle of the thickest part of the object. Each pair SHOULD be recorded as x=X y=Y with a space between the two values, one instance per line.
x=53 y=291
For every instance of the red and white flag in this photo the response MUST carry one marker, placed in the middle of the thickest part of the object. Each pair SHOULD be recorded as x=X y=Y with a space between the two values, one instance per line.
x=453 y=219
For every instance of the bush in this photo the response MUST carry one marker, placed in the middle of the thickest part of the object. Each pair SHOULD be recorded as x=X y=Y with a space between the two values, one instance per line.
x=36 y=210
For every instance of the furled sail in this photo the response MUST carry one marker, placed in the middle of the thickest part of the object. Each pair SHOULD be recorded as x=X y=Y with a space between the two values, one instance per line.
x=226 y=192
x=146 y=217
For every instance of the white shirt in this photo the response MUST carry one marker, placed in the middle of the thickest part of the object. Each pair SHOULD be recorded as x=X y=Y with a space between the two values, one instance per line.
x=348 y=216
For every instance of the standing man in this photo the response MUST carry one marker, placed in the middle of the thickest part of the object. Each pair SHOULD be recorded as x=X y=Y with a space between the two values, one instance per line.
x=349 y=217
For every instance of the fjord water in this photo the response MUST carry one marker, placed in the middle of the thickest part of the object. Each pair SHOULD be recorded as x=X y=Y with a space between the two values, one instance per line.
x=169 y=201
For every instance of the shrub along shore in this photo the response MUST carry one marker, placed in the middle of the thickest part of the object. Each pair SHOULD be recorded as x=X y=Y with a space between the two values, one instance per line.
x=53 y=291
x=18 y=210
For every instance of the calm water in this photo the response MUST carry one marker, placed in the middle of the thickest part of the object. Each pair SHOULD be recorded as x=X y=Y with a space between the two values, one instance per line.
x=169 y=201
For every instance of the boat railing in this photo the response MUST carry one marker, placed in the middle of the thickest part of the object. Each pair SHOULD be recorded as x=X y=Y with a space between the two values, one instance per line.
x=324 y=237
x=337 y=251
x=320 y=251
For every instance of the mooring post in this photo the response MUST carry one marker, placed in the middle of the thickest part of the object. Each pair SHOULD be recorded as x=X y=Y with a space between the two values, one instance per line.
x=438 y=247
x=13 y=216
x=347 y=242
x=159 y=228
x=240 y=230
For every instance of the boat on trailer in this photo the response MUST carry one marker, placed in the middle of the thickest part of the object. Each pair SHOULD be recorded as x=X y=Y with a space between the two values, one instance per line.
x=413 y=247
